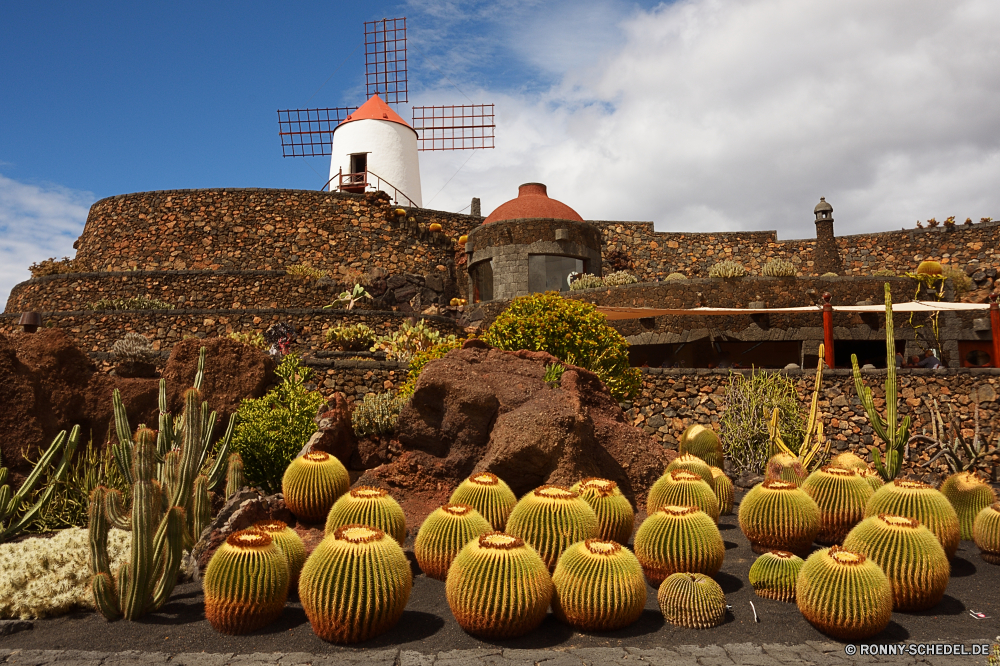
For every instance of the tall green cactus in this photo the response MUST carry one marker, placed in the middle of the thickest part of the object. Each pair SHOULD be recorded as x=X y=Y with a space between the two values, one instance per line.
x=10 y=503
x=892 y=430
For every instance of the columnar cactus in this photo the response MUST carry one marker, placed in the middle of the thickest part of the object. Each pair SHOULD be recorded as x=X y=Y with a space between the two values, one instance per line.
x=289 y=543
x=785 y=467
x=682 y=487
x=692 y=600
x=774 y=573
x=614 y=512
x=246 y=583
x=914 y=499
x=312 y=483
x=841 y=496
x=723 y=491
x=443 y=534
x=844 y=594
x=550 y=518
x=986 y=533
x=778 y=515
x=969 y=495
x=598 y=586
x=235 y=476
x=489 y=495
x=702 y=442
x=911 y=557
x=355 y=585
x=678 y=538
x=366 y=505
x=498 y=587
x=692 y=464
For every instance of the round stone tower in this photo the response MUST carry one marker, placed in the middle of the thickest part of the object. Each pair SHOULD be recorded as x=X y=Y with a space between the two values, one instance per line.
x=827 y=257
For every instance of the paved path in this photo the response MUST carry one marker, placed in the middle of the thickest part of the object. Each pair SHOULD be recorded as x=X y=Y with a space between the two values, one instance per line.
x=738 y=654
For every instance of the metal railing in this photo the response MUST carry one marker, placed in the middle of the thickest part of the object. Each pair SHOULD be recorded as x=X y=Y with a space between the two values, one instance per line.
x=357 y=183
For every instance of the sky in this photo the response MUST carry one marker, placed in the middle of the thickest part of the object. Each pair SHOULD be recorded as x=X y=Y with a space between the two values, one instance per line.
x=698 y=115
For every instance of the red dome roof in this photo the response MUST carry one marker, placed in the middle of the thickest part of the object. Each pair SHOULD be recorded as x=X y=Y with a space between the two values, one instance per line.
x=374 y=109
x=532 y=201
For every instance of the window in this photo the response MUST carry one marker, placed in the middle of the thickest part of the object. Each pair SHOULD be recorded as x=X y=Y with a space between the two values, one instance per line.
x=482 y=281
x=550 y=272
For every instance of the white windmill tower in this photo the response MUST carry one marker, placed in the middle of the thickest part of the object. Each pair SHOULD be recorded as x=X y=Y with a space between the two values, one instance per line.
x=371 y=147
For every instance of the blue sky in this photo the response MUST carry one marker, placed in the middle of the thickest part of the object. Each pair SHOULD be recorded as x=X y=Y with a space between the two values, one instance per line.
x=706 y=114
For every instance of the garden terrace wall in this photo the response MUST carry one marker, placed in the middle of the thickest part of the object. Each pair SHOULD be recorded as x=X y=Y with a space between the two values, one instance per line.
x=355 y=379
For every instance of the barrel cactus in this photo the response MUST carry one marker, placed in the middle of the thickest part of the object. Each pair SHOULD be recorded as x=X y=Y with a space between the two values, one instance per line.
x=986 y=533
x=693 y=464
x=872 y=477
x=290 y=545
x=692 y=600
x=246 y=583
x=678 y=538
x=702 y=442
x=682 y=487
x=366 y=505
x=355 y=585
x=614 y=512
x=841 y=496
x=848 y=460
x=844 y=594
x=489 y=495
x=498 y=587
x=969 y=495
x=911 y=557
x=785 y=467
x=598 y=586
x=312 y=483
x=774 y=573
x=914 y=499
x=443 y=534
x=550 y=518
x=778 y=515
x=929 y=267
x=723 y=491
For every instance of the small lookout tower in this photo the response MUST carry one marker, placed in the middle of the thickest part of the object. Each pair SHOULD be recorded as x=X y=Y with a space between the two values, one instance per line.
x=827 y=254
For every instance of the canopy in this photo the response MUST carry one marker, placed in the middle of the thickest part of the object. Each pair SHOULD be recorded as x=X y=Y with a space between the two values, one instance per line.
x=614 y=313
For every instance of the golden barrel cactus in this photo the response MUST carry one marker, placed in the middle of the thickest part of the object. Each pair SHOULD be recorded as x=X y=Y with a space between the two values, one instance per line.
x=841 y=496
x=682 y=487
x=723 y=491
x=691 y=600
x=443 y=534
x=778 y=515
x=914 y=499
x=986 y=533
x=598 y=586
x=370 y=506
x=312 y=483
x=848 y=460
x=678 y=538
x=614 y=512
x=693 y=464
x=290 y=545
x=550 y=518
x=785 y=467
x=489 y=495
x=702 y=442
x=969 y=495
x=872 y=477
x=844 y=594
x=773 y=575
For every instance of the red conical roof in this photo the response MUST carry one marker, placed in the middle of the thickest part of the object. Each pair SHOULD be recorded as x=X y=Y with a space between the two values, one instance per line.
x=375 y=109
x=532 y=201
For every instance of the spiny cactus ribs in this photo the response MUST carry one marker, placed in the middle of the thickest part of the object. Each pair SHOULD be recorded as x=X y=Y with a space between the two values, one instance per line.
x=366 y=505
x=723 y=491
x=692 y=463
x=841 y=496
x=489 y=495
x=550 y=518
x=701 y=442
x=614 y=512
x=778 y=515
x=774 y=573
x=969 y=495
x=312 y=483
x=133 y=348
x=289 y=543
x=914 y=499
x=683 y=487
x=443 y=535
x=844 y=594
x=986 y=533
x=785 y=467
x=678 y=538
x=599 y=586
x=692 y=600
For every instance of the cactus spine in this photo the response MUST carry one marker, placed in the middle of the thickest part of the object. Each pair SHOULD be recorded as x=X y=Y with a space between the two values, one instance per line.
x=370 y=506
x=844 y=594
x=246 y=583
x=614 y=512
x=682 y=487
x=290 y=545
x=911 y=557
x=443 y=535
x=550 y=518
x=678 y=538
x=872 y=477
x=914 y=499
x=498 y=587
x=785 y=467
x=692 y=464
x=598 y=586
x=489 y=495
x=777 y=515
x=841 y=496
x=312 y=483
x=848 y=460
x=692 y=600
x=701 y=442
x=723 y=491
x=774 y=573
x=355 y=585
x=969 y=495
x=986 y=533
x=235 y=477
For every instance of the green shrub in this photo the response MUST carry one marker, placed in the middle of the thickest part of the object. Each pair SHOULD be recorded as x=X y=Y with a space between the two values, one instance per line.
x=586 y=281
x=572 y=331
x=961 y=281
x=750 y=400
x=553 y=374
x=410 y=339
x=356 y=337
x=252 y=339
x=377 y=414
x=620 y=278
x=778 y=268
x=727 y=269
x=305 y=271
x=422 y=358
x=271 y=430
x=134 y=303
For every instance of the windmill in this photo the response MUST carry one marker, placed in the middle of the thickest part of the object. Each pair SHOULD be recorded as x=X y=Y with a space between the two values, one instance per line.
x=370 y=146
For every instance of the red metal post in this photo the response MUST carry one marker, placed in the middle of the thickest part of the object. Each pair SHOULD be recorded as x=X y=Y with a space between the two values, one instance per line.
x=995 y=329
x=828 y=328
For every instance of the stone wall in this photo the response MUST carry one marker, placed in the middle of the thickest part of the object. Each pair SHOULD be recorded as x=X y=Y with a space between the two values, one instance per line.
x=355 y=379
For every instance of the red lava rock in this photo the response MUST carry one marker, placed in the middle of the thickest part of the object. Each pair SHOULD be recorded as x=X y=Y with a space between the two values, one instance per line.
x=336 y=434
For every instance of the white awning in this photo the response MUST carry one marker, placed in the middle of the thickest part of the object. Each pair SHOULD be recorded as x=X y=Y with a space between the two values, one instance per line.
x=615 y=313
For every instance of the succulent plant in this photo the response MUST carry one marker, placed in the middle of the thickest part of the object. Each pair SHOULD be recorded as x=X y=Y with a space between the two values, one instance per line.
x=678 y=538
x=355 y=585
x=443 y=534
x=489 y=495
x=844 y=594
x=246 y=583
x=615 y=515
x=914 y=499
x=911 y=557
x=778 y=268
x=727 y=269
x=312 y=483
x=778 y=515
x=847 y=460
x=872 y=477
x=774 y=573
x=377 y=414
x=620 y=279
x=723 y=491
x=785 y=467
x=550 y=518
x=969 y=495
x=841 y=496
x=986 y=533
x=587 y=281
x=702 y=442
x=681 y=487
x=675 y=276
x=692 y=600
x=692 y=463
x=290 y=545
x=598 y=586
x=134 y=347
x=370 y=506
x=235 y=477
x=498 y=587
x=929 y=267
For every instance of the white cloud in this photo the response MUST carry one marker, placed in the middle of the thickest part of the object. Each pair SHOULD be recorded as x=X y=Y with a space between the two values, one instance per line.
x=36 y=222
x=740 y=114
